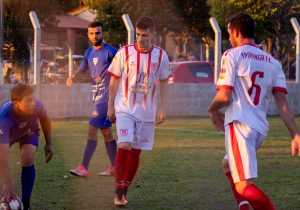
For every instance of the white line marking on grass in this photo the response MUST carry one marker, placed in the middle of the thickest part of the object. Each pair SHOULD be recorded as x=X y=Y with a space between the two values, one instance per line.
x=189 y=130
x=175 y=129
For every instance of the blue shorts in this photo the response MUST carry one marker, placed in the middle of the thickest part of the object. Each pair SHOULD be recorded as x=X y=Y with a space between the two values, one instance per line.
x=30 y=139
x=99 y=117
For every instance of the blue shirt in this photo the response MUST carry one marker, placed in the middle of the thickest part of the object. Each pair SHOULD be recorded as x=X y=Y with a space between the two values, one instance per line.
x=13 y=127
x=97 y=63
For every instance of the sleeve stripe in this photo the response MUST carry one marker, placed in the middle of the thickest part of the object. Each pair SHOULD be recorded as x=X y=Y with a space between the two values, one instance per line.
x=281 y=89
x=224 y=87
x=112 y=74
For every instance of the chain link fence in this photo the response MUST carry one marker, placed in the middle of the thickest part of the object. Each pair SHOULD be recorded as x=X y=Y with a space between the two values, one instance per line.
x=18 y=52
x=17 y=59
x=54 y=66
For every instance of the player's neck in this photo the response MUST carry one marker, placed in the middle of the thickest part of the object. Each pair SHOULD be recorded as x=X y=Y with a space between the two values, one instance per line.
x=246 y=41
x=98 y=47
x=19 y=113
x=144 y=49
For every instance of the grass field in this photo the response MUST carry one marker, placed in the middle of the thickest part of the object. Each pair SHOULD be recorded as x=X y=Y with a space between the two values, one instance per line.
x=182 y=172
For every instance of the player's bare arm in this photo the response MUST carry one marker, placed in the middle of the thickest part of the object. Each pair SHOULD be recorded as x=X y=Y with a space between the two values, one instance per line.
x=46 y=127
x=8 y=190
x=289 y=120
x=221 y=99
x=113 y=87
x=162 y=110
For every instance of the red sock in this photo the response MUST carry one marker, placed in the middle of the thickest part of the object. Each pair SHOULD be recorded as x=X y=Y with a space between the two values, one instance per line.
x=239 y=198
x=120 y=167
x=257 y=199
x=132 y=166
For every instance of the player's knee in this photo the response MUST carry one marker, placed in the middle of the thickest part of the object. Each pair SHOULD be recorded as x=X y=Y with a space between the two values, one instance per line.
x=107 y=135
x=240 y=186
x=27 y=159
x=125 y=145
x=92 y=132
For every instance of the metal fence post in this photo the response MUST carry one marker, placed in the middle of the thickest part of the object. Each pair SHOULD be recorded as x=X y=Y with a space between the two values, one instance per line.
x=296 y=27
x=218 y=39
x=70 y=59
x=37 y=51
x=129 y=27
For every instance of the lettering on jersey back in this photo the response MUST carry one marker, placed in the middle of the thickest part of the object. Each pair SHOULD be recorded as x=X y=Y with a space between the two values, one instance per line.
x=259 y=57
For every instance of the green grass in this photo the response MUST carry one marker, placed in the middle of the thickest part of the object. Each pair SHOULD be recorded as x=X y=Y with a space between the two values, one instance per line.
x=182 y=172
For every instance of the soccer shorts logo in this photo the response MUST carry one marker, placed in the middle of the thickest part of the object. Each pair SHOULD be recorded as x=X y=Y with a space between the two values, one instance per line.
x=95 y=114
x=123 y=132
x=22 y=125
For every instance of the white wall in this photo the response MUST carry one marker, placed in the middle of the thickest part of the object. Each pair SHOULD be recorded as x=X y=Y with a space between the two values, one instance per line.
x=184 y=99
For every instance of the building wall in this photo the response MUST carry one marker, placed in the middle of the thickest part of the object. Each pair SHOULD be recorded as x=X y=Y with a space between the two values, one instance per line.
x=184 y=99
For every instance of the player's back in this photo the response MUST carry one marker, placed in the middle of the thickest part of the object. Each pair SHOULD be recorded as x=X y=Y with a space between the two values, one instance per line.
x=257 y=74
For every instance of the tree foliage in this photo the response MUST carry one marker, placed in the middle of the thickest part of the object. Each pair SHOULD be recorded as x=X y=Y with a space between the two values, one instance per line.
x=185 y=18
x=16 y=13
x=271 y=16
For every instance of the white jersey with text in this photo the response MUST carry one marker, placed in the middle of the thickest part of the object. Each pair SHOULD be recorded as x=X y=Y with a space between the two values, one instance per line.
x=139 y=73
x=252 y=75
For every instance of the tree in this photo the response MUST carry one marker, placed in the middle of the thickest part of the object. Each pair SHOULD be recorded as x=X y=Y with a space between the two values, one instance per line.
x=272 y=19
x=186 y=18
x=18 y=33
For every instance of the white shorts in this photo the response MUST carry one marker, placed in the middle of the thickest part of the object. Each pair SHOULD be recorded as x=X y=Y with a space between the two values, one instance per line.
x=140 y=134
x=241 y=143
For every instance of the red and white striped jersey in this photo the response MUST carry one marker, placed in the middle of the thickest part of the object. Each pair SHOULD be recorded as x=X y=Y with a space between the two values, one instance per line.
x=139 y=73
x=253 y=75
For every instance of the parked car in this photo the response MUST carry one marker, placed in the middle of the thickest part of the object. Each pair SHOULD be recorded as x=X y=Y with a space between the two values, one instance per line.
x=191 y=72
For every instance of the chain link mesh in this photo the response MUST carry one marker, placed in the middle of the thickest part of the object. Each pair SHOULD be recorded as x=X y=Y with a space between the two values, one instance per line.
x=18 y=52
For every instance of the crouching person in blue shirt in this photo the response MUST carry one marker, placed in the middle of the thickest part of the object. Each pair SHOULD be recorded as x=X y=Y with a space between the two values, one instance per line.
x=19 y=123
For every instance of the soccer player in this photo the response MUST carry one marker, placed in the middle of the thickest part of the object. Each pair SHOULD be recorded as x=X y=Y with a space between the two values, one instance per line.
x=248 y=79
x=19 y=123
x=96 y=60
x=135 y=72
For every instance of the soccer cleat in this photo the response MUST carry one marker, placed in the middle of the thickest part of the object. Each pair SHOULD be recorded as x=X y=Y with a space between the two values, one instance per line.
x=80 y=171
x=110 y=171
x=120 y=202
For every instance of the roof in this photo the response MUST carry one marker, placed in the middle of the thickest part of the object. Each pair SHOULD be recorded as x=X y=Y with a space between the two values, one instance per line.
x=79 y=10
x=68 y=21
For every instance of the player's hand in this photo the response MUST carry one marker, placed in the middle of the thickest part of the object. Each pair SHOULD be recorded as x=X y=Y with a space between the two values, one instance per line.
x=98 y=80
x=111 y=114
x=161 y=115
x=217 y=118
x=48 y=152
x=69 y=82
x=295 y=145
x=8 y=193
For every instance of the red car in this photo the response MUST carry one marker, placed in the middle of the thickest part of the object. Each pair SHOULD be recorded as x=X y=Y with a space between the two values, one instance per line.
x=191 y=72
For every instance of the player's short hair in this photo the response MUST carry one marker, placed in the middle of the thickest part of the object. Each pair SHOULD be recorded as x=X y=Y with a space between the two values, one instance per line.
x=244 y=23
x=144 y=23
x=95 y=24
x=19 y=91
